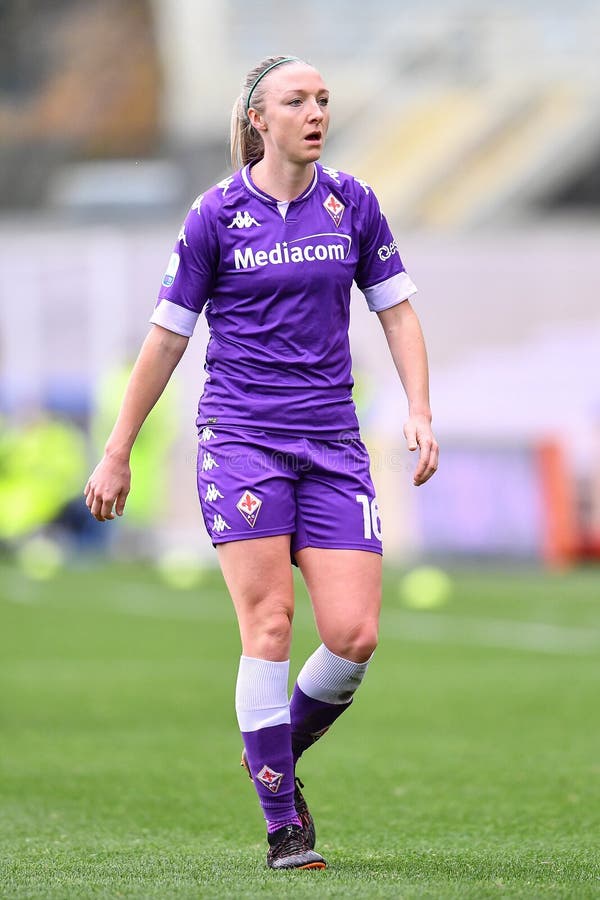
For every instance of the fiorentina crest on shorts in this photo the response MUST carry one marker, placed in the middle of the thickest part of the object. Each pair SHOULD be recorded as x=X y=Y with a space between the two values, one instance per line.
x=249 y=506
x=270 y=779
x=335 y=209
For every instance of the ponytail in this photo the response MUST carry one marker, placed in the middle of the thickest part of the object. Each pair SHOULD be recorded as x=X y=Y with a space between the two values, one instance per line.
x=246 y=143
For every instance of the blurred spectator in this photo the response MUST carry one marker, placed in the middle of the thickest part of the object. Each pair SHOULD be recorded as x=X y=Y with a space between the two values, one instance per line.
x=42 y=465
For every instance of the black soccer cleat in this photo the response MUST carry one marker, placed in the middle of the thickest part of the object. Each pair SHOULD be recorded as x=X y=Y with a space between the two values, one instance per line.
x=308 y=824
x=288 y=849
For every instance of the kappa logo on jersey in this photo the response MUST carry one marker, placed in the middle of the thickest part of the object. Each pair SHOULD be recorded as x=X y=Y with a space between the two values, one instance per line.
x=209 y=462
x=387 y=250
x=181 y=236
x=213 y=493
x=206 y=434
x=225 y=184
x=219 y=524
x=243 y=220
x=333 y=173
x=197 y=203
x=335 y=209
x=270 y=778
x=169 y=276
x=363 y=185
x=249 y=506
x=283 y=252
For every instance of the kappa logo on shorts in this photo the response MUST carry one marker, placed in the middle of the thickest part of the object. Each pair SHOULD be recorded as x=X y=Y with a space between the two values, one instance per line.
x=270 y=779
x=249 y=506
x=209 y=462
x=335 y=209
x=206 y=434
x=219 y=524
x=213 y=493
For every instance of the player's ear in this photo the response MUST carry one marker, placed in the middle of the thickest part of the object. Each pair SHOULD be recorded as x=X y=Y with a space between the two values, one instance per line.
x=256 y=120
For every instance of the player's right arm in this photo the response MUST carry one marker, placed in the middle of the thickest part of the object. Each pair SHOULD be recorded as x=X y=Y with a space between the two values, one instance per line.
x=109 y=483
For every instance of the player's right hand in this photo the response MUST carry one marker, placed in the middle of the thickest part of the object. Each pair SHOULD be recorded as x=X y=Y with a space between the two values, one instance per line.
x=418 y=433
x=107 y=488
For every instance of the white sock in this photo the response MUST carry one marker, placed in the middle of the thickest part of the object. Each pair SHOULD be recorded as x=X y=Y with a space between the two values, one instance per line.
x=331 y=678
x=261 y=693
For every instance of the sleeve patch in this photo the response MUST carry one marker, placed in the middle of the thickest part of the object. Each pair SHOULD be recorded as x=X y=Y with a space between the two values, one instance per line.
x=169 y=276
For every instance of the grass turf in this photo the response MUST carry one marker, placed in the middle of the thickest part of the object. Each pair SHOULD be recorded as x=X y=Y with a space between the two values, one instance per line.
x=468 y=767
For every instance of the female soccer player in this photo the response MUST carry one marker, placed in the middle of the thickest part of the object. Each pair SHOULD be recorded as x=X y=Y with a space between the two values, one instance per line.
x=270 y=254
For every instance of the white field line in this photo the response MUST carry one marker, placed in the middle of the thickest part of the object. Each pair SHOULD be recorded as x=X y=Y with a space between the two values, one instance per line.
x=420 y=627
x=503 y=633
x=424 y=627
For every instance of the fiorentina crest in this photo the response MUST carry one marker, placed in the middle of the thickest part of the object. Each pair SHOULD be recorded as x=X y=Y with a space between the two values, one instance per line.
x=249 y=506
x=270 y=779
x=335 y=209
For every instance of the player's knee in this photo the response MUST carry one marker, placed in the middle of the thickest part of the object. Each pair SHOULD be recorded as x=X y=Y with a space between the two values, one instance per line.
x=277 y=627
x=357 y=644
x=269 y=633
x=364 y=647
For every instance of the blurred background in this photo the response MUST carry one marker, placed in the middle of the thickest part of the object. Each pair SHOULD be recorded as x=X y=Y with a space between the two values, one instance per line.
x=477 y=123
x=478 y=126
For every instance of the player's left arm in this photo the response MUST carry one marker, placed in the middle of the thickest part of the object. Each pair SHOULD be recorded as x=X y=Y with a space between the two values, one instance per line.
x=407 y=346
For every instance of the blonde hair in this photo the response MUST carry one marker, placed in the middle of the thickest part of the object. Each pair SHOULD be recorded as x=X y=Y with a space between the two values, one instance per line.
x=246 y=142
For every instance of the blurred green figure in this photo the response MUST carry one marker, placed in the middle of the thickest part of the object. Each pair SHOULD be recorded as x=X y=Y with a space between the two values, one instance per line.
x=149 y=457
x=42 y=465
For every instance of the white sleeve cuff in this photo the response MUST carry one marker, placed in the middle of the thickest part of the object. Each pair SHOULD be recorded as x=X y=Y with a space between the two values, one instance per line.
x=174 y=318
x=389 y=292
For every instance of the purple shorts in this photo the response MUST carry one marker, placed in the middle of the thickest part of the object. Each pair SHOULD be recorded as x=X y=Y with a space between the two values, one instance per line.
x=253 y=483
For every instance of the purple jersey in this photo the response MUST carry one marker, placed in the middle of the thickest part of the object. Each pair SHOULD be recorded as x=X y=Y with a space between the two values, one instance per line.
x=275 y=280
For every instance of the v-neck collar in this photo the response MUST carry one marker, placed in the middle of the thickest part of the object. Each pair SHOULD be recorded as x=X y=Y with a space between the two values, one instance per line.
x=266 y=198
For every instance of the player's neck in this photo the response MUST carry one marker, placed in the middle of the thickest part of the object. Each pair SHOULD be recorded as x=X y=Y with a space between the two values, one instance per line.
x=282 y=180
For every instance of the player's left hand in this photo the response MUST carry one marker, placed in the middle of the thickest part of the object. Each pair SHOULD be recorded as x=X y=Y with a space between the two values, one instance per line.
x=418 y=433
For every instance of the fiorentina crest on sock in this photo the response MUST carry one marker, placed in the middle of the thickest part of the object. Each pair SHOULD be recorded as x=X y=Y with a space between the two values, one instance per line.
x=270 y=778
x=249 y=506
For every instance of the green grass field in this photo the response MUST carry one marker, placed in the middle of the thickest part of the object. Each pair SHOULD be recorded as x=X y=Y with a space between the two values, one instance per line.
x=468 y=767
